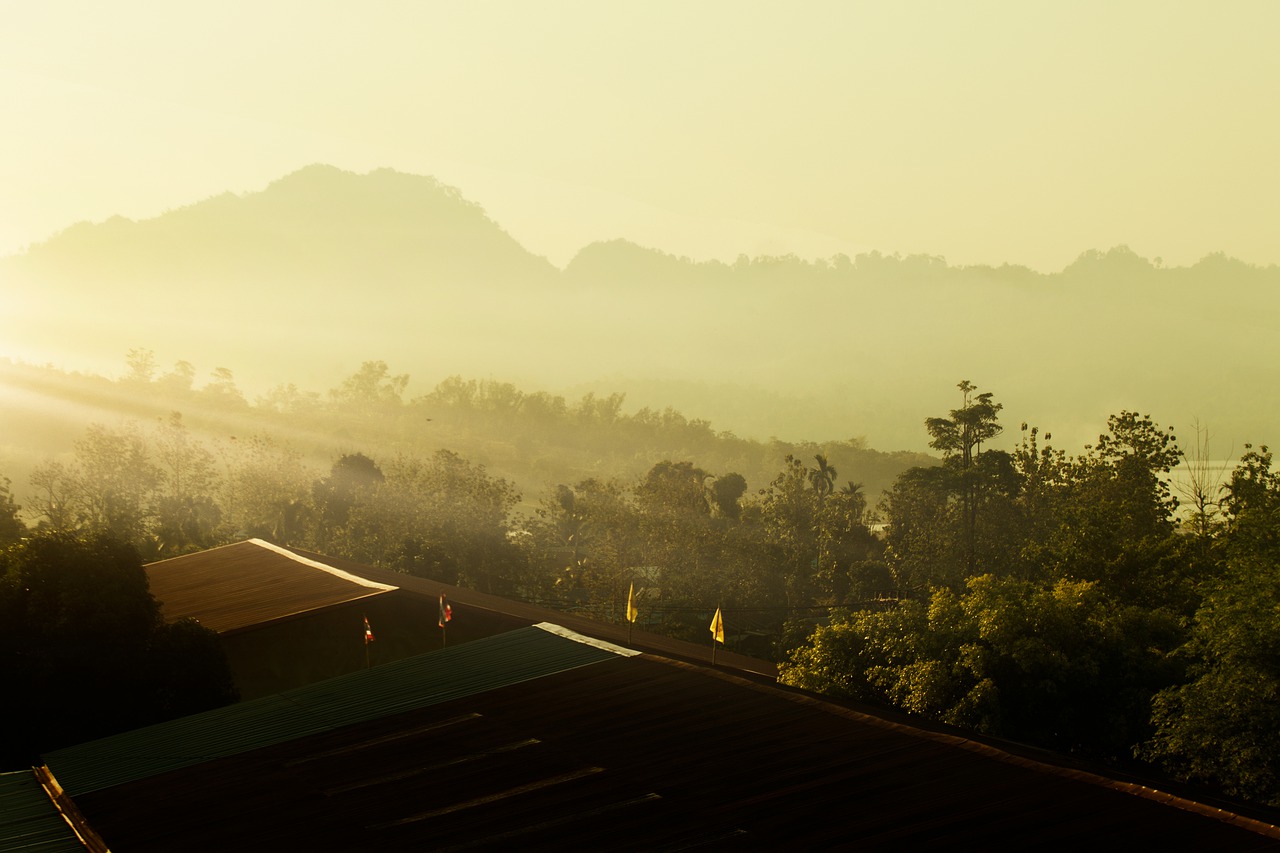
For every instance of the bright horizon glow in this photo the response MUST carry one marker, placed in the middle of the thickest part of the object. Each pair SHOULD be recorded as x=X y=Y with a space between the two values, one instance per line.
x=984 y=132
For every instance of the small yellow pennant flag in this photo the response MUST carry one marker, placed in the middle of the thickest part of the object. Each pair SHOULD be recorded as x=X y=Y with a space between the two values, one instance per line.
x=717 y=627
x=632 y=613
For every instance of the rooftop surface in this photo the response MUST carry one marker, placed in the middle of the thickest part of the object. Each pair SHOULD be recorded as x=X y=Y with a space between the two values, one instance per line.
x=251 y=583
x=540 y=740
x=28 y=819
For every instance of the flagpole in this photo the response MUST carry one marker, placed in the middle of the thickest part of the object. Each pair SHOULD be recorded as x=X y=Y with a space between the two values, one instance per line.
x=717 y=633
x=632 y=612
x=446 y=613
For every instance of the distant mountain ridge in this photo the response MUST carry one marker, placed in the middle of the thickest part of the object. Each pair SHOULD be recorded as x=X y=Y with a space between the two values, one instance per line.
x=318 y=217
x=324 y=269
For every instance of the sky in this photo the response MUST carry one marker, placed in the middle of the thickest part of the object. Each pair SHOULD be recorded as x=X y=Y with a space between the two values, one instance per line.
x=983 y=132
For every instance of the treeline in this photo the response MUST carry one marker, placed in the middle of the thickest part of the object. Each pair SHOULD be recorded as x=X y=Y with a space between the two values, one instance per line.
x=1070 y=602
x=531 y=438
x=688 y=537
x=691 y=535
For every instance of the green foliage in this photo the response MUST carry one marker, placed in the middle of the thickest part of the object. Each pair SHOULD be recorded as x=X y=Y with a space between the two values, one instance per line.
x=1252 y=505
x=1055 y=664
x=84 y=646
x=1223 y=726
x=187 y=514
x=823 y=476
x=266 y=492
x=1047 y=598
x=371 y=390
x=441 y=517
x=585 y=541
x=961 y=436
x=118 y=481
x=788 y=516
x=726 y=491
x=947 y=522
x=351 y=480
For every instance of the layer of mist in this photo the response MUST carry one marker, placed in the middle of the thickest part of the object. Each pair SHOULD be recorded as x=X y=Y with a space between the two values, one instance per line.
x=325 y=269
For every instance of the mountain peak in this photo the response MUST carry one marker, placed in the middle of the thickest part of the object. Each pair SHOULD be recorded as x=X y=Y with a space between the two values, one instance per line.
x=317 y=222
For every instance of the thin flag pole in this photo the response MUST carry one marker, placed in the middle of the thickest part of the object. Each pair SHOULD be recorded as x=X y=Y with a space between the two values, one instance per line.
x=446 y=614
x=717 y=633
x=632 y=612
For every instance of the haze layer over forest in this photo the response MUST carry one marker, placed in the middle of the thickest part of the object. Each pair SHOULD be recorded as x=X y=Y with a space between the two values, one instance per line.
x=325 y=269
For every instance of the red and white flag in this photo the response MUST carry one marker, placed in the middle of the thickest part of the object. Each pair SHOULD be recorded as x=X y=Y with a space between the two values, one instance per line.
x=368 y=632
x=446 y=612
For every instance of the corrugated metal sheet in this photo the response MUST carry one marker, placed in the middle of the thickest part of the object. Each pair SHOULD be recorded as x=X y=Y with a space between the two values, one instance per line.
x=28 y=820
x=393 y=688
x=249 y=583
x=637 y=753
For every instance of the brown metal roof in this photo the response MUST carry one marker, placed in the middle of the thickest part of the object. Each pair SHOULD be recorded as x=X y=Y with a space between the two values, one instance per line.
x=251 y=583
x=639 y=753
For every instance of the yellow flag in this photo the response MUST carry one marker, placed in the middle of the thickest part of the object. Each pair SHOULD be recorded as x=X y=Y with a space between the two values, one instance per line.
x=632 y=613
x=717 y=627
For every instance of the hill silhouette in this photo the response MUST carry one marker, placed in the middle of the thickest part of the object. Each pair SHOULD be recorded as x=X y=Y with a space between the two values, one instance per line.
x=324 y=269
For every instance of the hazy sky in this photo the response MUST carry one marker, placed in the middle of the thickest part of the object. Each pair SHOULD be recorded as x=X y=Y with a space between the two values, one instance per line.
x=982 y=131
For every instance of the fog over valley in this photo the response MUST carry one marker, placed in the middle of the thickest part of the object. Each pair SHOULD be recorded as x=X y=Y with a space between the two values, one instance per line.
x=324 y=269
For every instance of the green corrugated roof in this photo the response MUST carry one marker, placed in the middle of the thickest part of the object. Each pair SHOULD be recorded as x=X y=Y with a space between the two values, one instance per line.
x=405 y=685
x=28 y=819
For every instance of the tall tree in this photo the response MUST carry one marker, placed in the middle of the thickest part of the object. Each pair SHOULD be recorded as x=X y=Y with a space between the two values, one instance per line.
x=371 y=390
x=188 y=516
x=788 y=512
x=960 y=439
x=726 y=491
x=115 y=482
x=266 y=491
x=822 y=476
x=441 y=517
x=222 y=392
x=1223 y=726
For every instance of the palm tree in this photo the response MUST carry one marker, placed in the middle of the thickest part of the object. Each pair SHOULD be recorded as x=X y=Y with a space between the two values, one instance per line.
x=823 y=476
x=856 y=497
